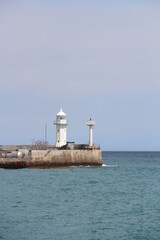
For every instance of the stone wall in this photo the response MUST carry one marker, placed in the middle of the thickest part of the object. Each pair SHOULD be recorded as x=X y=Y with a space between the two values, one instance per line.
x=55 y=158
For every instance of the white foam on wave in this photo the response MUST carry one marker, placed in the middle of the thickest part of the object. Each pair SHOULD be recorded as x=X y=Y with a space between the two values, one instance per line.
x=104 y=165
x=80 y=166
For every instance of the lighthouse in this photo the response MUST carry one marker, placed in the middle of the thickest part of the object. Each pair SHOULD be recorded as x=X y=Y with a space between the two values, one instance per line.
x=61 y=128
x=90 y=123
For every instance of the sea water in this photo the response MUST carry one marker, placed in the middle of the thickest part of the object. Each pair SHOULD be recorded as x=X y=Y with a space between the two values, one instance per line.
x=120 y=200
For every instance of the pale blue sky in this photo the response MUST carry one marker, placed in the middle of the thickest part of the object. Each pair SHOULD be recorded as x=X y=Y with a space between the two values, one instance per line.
x=95 y=58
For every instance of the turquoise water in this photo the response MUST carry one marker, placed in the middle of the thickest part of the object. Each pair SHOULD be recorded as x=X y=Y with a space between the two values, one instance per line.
x=120 y=200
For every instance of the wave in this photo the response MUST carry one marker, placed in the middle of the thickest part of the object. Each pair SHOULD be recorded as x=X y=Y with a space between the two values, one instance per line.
x=80 y=166
x=104 y=165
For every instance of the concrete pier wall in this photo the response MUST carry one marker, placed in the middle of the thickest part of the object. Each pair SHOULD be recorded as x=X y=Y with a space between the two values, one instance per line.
x=55 y=158
x=66 y=158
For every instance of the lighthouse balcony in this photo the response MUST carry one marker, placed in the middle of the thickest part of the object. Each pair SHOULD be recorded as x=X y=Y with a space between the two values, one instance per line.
x=61 y=122
x=90 y=123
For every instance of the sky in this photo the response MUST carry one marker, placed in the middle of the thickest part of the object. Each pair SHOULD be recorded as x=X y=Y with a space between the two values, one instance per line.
x=98 y=59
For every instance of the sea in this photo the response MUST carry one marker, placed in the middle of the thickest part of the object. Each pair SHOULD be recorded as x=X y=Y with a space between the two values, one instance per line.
x=118 y=201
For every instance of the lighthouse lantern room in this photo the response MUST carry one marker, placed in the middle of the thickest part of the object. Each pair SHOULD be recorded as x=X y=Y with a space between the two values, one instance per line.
x=61 y=128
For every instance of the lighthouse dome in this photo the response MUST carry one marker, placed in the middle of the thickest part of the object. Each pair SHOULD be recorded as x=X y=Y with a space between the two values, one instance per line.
x=61 y=113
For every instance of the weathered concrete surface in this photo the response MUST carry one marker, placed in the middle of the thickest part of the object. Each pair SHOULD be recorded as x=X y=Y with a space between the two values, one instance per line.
x=12 y=164
x=56 y=158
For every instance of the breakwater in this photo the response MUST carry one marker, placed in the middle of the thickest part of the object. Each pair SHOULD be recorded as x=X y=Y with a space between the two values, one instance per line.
x=50 y=158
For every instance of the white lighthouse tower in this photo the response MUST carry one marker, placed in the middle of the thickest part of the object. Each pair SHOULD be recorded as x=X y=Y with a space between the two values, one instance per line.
x=61 y=128
x=90 y=123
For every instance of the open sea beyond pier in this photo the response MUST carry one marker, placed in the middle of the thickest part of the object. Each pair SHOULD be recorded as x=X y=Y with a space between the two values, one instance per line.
x=120 y=200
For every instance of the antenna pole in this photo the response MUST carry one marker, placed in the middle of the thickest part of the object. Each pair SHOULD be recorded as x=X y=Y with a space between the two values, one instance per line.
x=45 y=133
